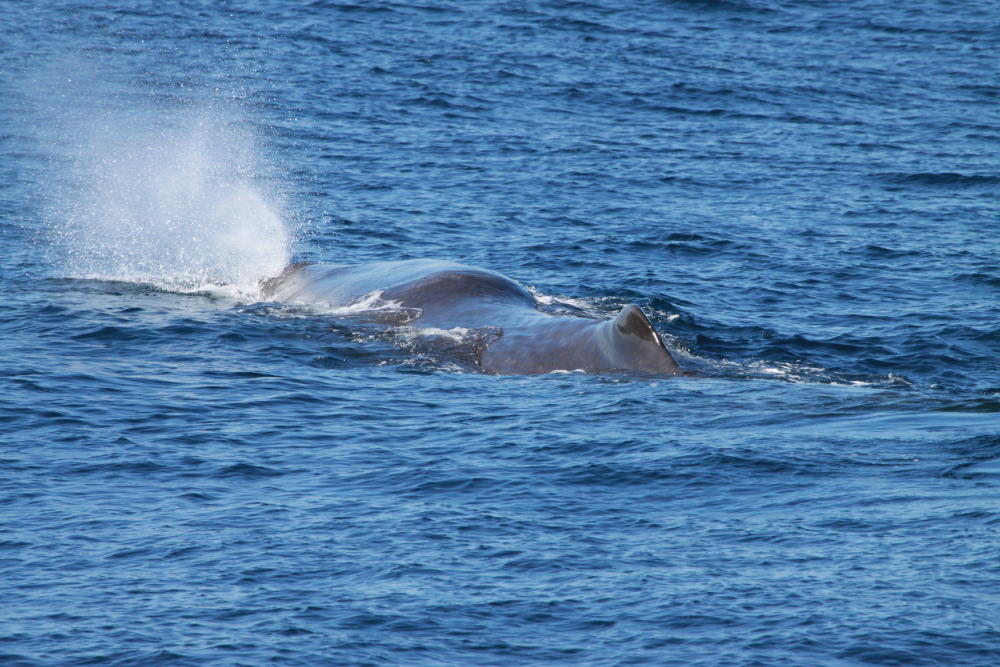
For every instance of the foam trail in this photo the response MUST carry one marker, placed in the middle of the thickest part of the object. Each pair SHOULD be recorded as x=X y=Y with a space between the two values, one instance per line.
x=167 y=197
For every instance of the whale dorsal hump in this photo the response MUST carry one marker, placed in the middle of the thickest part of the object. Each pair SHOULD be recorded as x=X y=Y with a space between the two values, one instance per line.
x=637 y=346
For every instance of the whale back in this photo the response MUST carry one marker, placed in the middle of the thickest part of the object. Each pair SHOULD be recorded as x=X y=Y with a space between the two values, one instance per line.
x=430 y=285
x=444 y=295
x=545 y=343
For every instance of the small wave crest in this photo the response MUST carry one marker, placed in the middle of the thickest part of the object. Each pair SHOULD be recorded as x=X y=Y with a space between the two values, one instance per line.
x=940 y=179
x=792 y=372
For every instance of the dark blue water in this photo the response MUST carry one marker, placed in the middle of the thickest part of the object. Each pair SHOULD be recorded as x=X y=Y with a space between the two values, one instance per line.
x=804 y=196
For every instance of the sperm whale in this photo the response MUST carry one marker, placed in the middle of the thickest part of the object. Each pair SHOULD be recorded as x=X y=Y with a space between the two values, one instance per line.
x=520 y=337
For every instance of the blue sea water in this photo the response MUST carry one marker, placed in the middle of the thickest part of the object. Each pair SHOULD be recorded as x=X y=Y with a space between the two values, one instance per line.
x=804 y=196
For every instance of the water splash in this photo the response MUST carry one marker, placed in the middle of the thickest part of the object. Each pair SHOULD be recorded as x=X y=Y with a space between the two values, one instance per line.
x=166 y=196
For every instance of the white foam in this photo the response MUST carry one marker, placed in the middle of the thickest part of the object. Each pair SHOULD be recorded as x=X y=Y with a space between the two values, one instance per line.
x=371 y=305
x=368 y=303
x=547 y=300
x=457 y=334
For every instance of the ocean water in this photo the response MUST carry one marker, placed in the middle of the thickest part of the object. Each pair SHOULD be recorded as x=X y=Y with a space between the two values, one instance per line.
x=803 y=196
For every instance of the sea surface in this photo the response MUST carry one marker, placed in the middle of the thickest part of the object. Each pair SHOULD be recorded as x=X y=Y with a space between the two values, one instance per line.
x=803 y=196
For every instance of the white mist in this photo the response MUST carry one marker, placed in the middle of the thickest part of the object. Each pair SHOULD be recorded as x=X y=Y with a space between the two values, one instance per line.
x=172 y=199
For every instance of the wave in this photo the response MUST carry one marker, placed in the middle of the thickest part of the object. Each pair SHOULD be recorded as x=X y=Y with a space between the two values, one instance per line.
x=939 y=178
